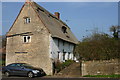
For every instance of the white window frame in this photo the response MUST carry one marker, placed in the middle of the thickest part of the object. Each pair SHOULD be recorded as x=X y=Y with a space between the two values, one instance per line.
x=27 y=20
x=26 y=39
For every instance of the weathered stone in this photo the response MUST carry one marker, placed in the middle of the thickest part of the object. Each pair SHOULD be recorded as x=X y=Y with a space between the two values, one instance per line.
x=105 y=67
x=34 y=42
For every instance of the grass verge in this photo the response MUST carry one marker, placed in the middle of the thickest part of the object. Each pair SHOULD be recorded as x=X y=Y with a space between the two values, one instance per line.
x=105 y=76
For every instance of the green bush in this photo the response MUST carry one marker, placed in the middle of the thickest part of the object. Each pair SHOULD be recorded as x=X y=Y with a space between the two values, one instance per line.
x=59 y=66
x=100 y=47
x=67 y=63
x=2 y=63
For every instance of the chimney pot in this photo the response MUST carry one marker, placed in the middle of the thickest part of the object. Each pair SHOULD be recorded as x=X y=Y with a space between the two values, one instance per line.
x=57 y=14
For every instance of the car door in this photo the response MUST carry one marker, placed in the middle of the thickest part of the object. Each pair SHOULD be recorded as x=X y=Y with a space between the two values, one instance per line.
x=20 y=70
x=12 y=69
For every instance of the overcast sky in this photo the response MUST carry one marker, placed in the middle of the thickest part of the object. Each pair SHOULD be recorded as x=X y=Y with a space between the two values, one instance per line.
x=81 y=17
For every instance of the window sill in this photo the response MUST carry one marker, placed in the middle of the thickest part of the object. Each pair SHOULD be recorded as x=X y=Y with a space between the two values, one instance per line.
x=27 y=43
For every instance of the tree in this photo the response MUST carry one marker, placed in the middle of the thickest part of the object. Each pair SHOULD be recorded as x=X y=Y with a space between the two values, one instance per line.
x=3 y=41
x=98 y=46
x=96 y=37
x=115 y=30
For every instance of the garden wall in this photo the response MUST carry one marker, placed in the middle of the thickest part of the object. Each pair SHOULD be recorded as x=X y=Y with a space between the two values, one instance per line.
x=103 y=67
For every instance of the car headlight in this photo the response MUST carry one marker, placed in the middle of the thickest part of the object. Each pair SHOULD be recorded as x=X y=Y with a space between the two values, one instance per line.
x=35 y=71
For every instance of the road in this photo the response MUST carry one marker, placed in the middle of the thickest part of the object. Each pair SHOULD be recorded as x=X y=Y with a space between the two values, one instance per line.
x=52 y=78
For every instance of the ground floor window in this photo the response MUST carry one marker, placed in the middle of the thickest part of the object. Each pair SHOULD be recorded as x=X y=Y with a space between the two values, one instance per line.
x=58 y=55
x=64 y=55
x=68 y=55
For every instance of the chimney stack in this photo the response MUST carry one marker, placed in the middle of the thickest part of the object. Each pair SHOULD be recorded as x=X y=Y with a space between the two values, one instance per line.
x=28 y=1
x=57 y=14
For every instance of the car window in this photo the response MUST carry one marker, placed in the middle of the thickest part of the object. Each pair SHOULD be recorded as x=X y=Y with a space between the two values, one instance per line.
x=18 y=65
x=27 y=65
x=14 y=65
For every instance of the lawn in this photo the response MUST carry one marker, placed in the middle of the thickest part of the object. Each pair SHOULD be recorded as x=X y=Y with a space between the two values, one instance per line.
x=105 y=76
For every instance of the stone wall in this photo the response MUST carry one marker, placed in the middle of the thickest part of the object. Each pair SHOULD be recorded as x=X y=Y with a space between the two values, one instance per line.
x=36 y=52
x=104 y=67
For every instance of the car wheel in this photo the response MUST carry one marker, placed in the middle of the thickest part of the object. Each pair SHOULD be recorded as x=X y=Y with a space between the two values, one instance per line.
x=30 y=75
x=7 y=74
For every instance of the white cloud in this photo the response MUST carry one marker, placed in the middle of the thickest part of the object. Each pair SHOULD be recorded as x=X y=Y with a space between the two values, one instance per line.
x=62 y=0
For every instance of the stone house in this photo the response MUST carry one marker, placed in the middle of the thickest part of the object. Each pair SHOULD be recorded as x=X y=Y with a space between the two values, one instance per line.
x=39 y=38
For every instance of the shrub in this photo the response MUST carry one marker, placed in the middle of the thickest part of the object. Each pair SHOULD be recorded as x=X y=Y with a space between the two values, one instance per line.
x=67 y=63
x=61 y=65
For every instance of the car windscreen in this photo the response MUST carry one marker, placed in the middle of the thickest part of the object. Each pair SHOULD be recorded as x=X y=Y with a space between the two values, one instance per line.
x=27 y=65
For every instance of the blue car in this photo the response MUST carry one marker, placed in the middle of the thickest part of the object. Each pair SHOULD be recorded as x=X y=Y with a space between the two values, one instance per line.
x=22 y=69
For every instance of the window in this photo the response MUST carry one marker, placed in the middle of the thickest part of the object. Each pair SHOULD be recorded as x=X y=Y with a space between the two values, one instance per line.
x=58 y=55
x=68 y=55
x=64 y=29
x=27 y=20
x=26 y=39
x=64 y=55
x=68 y=36
x=12 y=65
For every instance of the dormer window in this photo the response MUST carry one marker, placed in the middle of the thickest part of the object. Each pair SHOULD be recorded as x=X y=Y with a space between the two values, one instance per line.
x=64 y=29
x=27 y=20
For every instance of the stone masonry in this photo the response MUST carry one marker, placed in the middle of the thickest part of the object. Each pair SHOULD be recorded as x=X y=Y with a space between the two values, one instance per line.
x=103 y=67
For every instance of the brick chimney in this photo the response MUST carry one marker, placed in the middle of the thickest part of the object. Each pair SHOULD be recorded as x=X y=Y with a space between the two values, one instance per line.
x=57 y=14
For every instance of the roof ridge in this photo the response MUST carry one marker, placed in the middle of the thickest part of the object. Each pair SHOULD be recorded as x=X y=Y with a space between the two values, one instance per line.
x=50 y=14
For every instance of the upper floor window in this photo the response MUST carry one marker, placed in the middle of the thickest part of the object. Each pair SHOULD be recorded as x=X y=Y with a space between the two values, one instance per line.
x=64 y=29
x=26 y=39
x=27 y=20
